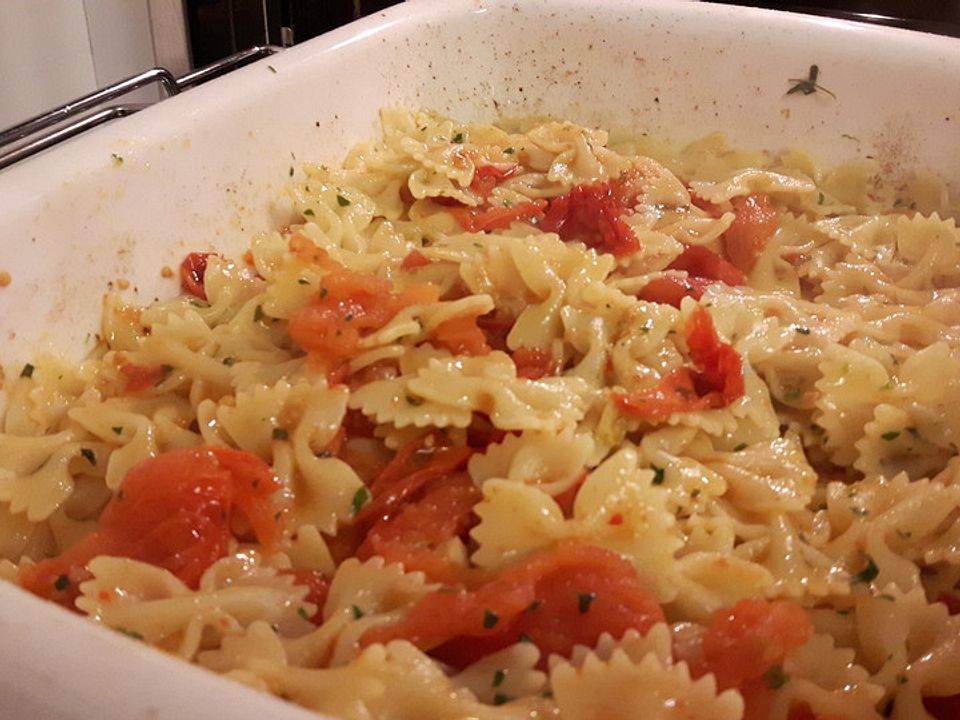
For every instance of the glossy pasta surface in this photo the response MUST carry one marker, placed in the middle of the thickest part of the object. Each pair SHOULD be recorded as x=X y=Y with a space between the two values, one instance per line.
x=528 y=423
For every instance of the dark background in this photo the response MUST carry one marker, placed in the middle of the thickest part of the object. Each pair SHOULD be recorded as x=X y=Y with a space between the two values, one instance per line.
x=219 y=28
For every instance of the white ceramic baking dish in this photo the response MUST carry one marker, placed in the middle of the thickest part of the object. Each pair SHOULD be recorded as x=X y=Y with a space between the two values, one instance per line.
x=204 y=171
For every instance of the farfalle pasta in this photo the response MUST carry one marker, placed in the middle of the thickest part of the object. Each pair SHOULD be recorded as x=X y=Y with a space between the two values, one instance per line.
x=519 y=422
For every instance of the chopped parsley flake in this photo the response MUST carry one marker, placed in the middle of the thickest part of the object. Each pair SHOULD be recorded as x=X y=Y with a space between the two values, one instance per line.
x=360 y=498
x=117 y=429
x=357 y=612
x=27 y=371
x=776 y=678
x=342 y=201
x=508 y=151
x=302 y=281
x=414 y=401
x=868 y=574
x=280 y=434
x=892 y=435
x=458 y=138
x=802 y=330
x=228 y=361
x=61 y=583
x=585 y=600
x=490 y=619
x=524 y=638
x=117 y=159
x=808 y=85
x=89 y=455
x=886 y=596
x=901 y=679
x=302 y=612
x=535 y=605
x=308 y=212
x=130 y=633
x=500 y=699
x=348 y=317
x=658 y=475
x=424 y=242
x=741 y=446
x=258 y=313
x=498 y=677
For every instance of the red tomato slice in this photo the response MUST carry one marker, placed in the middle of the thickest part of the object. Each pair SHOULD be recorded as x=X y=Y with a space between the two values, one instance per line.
x=461 y=336
x=748 y=234
x=712 y=209
x=417 y=534
x=414 y=261
x=192 y=270
x=566 y=499
x=318 y=585
x=496 y=218
x=486 y=178
x=699 y=262
x=593 y=214
x=141 y=378
x=747 y=640
x=557 y=598
x=348 y=307
x=496 y=327
x=533 y=363
x=672 y=290
x=176 y=511
x=717 y=382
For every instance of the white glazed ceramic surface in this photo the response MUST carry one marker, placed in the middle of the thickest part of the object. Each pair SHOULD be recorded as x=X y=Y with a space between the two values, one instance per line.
x=205 y=170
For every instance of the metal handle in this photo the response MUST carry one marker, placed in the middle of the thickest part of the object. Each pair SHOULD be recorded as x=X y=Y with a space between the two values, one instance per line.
x=47 y=126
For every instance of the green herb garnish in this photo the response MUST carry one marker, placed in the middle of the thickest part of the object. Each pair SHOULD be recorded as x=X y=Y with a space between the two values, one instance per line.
x=458 y=138
x=802 y=330
x=776 y=678
x=360 y=498
x=357 y=612
x=498 y=677
x=892 y=435
x=490 y=619
x=228 y=361
x=61 y=583
x=130 y=633
x=500 y=699
x=258 y=313
x=868 y=574
x=27 y=371
x=342 y=201
x=302 y=612
x=585 y=600
x=117 y=159
x=280 y=434
x=741 y=446
x=308 y=212
x=89 y=455
x=808 y=85
x=658 y=475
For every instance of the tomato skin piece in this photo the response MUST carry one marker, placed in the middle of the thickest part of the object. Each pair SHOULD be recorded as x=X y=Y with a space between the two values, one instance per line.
x=756 y=222
x=711 y=209
x=349 y=306
x=496 y=218
x=461 y=336
x=414 y=260
x=318 y=585
x=533 y=363
x=717 y=382
x=593 y=214
x=175 y=511
x=487 y=177
x=580 y=591
x=141 y=378
x=192 y=270
x=416 y=535
x=701 y=262
x=672 y=290
x=745 y=641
